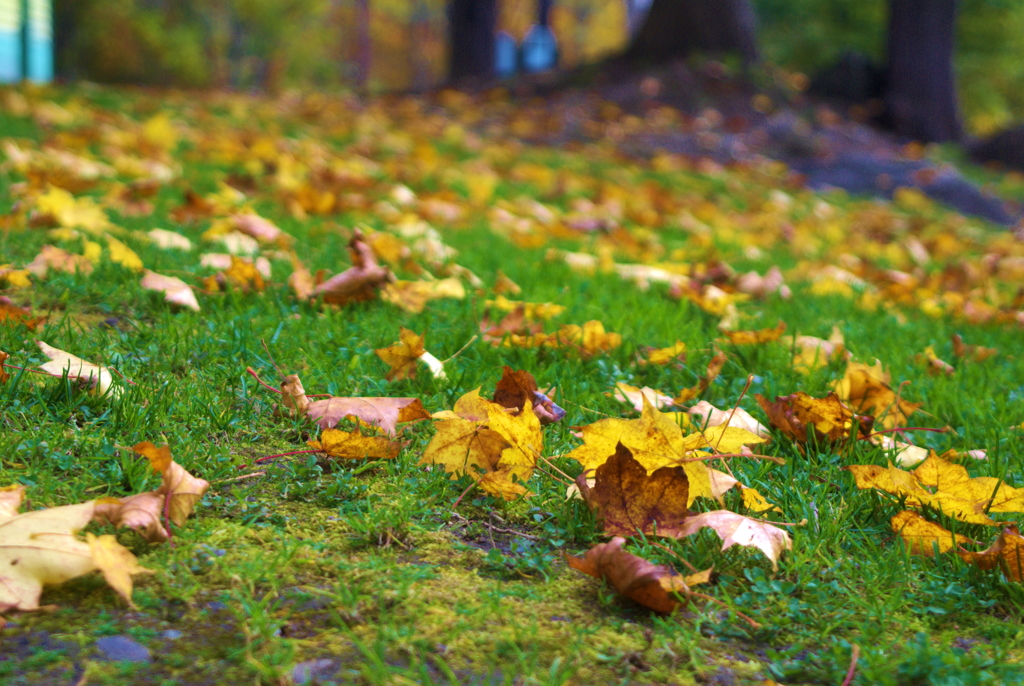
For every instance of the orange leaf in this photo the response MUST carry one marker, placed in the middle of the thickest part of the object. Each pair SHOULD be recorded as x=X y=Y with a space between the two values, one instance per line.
x=653 y=586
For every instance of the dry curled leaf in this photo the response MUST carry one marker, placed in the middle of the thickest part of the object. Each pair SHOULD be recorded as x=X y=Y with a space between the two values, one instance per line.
x=653 y=586
x=359 y=282
x=386 y=413
x=147 y=512
x=518 y=387
x=1007 y=552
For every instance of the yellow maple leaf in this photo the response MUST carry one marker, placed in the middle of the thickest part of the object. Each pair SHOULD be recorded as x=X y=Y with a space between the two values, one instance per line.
x=484 y=438
x=655 y=440
x=866 y=389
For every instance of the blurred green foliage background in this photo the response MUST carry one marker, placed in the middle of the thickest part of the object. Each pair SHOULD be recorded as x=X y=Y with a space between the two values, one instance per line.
x=400 y=44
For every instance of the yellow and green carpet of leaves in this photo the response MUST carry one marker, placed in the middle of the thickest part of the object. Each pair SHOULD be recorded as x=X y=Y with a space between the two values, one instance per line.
x=811 y=405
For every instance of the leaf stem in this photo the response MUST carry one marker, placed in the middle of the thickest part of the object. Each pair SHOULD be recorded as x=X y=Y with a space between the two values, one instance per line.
x=256 y=376
x=268 y=458
x=714 y=456
x=748 y=620
x=459 y=500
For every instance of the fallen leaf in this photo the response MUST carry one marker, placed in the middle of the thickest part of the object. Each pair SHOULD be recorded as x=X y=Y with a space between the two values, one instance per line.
x=58 y=259
x=933 y=364
x=636 y=396
x=175 y=291
x=168 y=240
x=653 y=586
x=359 y=282
x=922 y=537
x=736 y=529
x=959 y=497
x=830 y=420
x=866 y=389
x=714 y=369
x=403 y=356
x=629 y=501
x=504 y=285
x=116 y=563
x=40 y=548
x=93 y=375
x=518 y=387
x=708 y=415
x=353 y=445
x=146 y=512
x=976 y=353
x=755 y=337
x=1007 y=552
x=12 y=314
x=123 y=255
x=664 y=356
x=386 y=413
x=655 y=440
x=480 y=437
x=413 y=296
x=810 y=353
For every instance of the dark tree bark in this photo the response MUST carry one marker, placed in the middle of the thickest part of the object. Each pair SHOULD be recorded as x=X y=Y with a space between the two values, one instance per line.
x=471 y=25
x=676 y=28
x=920 y=94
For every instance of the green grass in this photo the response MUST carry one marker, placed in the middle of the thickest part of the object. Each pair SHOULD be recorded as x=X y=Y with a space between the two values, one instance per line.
x=369 y=564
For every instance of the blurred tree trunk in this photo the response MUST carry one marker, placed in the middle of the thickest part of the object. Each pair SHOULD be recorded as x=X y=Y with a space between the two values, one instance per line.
x=675 y=28
x=920 y=94
x=471 y=26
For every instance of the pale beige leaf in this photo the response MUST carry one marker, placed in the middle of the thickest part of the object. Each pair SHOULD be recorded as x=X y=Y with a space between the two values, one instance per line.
x=736 y=529
x=175 y=291
x=39 y=548
x=94 y=375
x=116 y=563
x=167 y=240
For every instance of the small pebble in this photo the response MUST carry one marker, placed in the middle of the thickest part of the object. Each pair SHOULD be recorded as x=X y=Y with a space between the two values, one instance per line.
x=123 y=649
x=172 y=634
x=305 y=672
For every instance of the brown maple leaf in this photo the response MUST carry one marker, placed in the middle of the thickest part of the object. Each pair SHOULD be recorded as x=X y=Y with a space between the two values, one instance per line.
x=630 y=501
x=518 y=387
x=830 y=419
x=653 y=586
